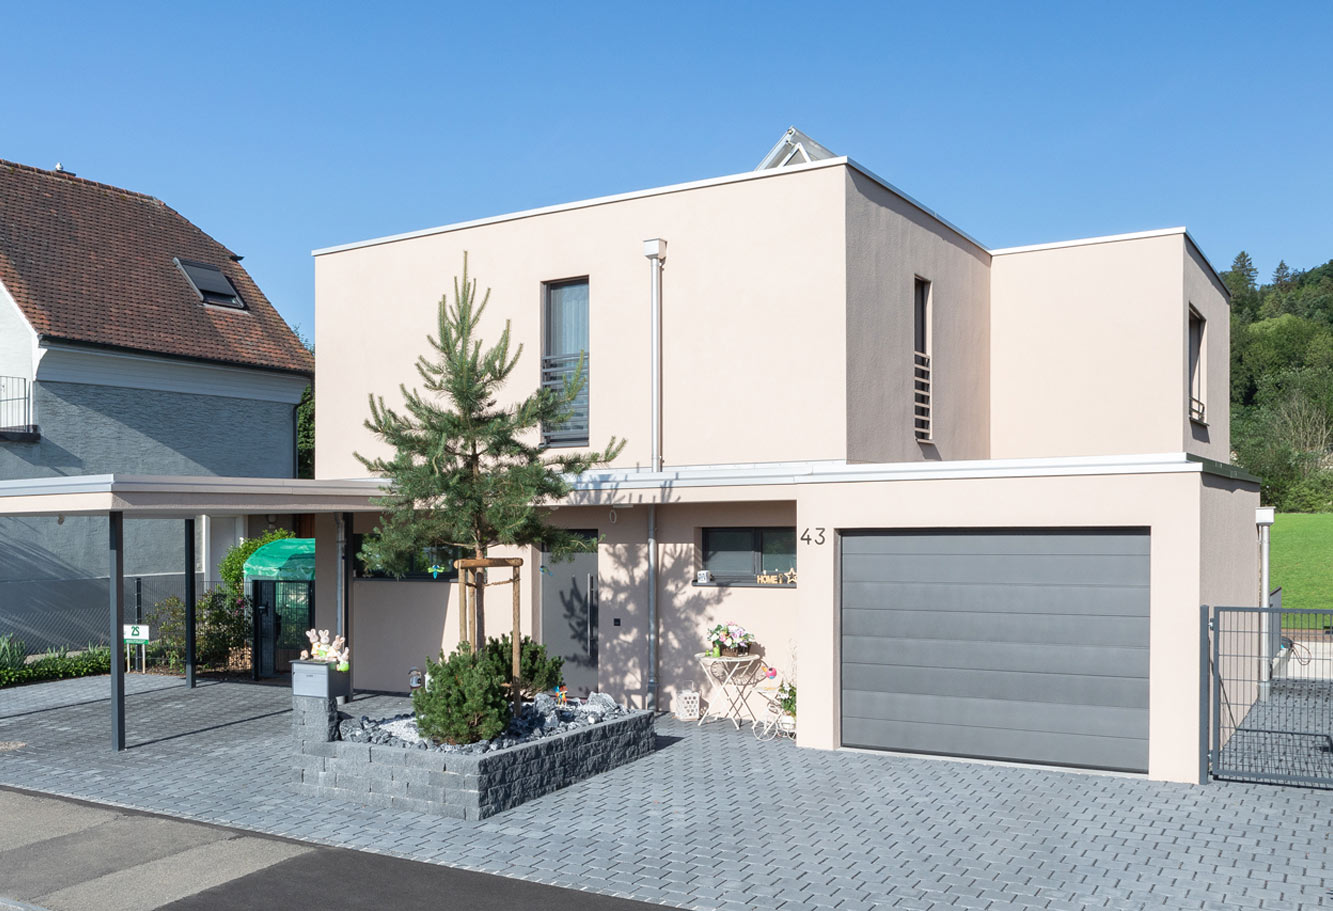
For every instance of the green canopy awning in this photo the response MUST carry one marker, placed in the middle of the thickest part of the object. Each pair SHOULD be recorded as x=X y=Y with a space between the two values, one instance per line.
x=286 y=560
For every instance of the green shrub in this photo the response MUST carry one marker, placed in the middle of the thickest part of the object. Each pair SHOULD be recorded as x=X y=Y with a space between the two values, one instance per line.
x=1312 y=494
x=232 y=567
x=59 y=666
x=537 y=672
x=464 y=700
x=13 y=652
x=223 y=623
x=166 y=621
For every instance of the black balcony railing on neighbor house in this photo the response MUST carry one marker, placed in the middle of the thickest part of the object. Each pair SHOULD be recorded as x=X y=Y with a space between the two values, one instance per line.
x=16 y=404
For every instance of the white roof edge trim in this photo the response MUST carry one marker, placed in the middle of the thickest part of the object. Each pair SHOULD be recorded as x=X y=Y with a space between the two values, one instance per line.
x=586 y=204
x=1089 y=241
x=824 y=473
x=114 y=483
x=1115 y=238
x=657 y=191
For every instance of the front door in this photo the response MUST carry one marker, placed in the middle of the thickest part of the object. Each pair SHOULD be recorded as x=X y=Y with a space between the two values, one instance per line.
x=569 y=616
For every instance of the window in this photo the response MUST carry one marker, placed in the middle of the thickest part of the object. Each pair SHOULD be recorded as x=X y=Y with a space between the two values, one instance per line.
x=564 y=343
x=210 y=284
x=442 y=558
x=1198 y=366
x=921 y=367
x=762 y=556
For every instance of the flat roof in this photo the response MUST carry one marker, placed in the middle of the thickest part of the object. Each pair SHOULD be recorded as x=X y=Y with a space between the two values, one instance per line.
x=167 y=496
x=1114 y=238
x=769 y=173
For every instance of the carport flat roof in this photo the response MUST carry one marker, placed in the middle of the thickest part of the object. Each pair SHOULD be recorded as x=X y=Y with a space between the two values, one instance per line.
x=167 y=496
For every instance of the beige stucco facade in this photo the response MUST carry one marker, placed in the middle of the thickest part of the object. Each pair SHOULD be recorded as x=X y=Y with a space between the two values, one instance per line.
x=1060 y=401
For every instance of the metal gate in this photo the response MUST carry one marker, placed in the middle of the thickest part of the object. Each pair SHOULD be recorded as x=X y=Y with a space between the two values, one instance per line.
x=1272 y=694
x=283 y=611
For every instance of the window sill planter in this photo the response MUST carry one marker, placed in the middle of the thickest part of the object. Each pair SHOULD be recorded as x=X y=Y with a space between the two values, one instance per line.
x=321 y=679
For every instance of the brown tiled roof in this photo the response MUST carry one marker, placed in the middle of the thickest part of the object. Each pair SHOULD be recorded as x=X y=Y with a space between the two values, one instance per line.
x=91 y=263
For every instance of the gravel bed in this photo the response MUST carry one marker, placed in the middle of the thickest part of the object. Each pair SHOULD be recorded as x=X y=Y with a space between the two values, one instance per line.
x=541 y=718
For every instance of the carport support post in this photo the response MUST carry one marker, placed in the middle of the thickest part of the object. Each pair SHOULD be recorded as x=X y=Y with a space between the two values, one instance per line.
x=116 y=586
x=189 y=603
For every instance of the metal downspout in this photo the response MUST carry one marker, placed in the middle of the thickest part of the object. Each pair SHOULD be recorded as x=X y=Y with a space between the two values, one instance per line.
x=655 y=250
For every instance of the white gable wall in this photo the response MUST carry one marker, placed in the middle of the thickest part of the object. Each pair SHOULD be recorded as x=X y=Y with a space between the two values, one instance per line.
x=18 y=343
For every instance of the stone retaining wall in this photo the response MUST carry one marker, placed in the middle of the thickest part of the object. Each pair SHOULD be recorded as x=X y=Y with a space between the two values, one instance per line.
x=462 y=785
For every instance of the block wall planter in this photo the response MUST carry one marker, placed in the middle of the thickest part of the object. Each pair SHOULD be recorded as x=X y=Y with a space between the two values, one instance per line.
x=462 y=785
x=320 y=679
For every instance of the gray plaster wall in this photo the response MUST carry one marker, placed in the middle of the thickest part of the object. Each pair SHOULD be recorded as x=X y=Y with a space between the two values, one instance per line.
x=52 y=574
x=889 y=244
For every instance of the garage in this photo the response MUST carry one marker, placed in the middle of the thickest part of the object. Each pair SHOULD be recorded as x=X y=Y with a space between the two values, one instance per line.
x=1028 y=645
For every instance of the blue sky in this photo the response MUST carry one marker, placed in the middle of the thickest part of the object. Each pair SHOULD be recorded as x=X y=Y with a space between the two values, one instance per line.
x=282 y=128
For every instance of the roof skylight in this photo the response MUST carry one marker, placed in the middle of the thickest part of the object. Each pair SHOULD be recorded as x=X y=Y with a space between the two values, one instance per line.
x=210 y=284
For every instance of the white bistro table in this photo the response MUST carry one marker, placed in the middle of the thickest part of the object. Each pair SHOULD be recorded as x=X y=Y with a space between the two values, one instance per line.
x=731 y=680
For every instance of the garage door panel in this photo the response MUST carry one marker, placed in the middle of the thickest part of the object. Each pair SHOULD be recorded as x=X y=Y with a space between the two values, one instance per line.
x=983 y=626
x=1018 y=645
x=996 y=569
x=1035 y=685
x=1089 y=660
x=1091 y=600
x=997 y=713
x=1017 y=746
x=965 y=542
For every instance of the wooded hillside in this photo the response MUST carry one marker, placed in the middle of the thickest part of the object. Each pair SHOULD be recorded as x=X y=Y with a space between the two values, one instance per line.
x=1282 y=382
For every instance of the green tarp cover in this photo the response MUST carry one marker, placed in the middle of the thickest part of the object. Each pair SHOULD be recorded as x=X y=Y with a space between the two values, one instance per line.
x=286 y=559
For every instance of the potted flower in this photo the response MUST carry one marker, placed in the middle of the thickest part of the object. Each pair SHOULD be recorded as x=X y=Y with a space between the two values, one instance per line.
x=324 y=669
x=729 y=640
x=787 y=704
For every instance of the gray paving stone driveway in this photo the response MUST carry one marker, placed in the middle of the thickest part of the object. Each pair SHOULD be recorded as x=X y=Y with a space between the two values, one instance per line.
x=714 y=819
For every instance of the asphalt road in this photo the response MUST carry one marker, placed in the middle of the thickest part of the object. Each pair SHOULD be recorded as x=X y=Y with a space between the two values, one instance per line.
x=67 y=855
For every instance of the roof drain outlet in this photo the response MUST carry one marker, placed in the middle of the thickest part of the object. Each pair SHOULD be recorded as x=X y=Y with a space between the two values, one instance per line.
x=655 y=250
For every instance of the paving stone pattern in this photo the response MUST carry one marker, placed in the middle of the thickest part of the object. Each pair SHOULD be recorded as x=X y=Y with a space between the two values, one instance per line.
x=714 y=819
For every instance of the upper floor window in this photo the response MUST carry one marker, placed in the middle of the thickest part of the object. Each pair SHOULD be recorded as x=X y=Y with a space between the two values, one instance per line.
x=564 y=341
x=922 y=379
x=210 y=284
x=1198 y=366
x=764 y=556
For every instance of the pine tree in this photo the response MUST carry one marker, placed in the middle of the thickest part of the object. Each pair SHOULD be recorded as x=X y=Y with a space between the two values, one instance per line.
x=466 y=473
x=1240 y=280
x=1282 y=274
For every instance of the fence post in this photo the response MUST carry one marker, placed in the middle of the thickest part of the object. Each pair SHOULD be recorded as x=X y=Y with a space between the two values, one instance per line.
x=138 y=616
x=1205 y=676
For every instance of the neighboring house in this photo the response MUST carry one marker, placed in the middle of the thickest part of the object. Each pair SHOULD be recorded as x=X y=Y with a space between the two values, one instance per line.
x=971 y=499
x=131 y=343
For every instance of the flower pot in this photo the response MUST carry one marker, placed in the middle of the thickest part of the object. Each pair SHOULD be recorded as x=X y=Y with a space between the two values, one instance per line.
x=735 y=652
x=319 y=678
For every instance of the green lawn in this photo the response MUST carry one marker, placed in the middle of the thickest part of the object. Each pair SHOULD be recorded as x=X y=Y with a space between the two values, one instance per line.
x=1301 y=560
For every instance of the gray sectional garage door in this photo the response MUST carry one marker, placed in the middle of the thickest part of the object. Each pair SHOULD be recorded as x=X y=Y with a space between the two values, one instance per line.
x=1022 y=645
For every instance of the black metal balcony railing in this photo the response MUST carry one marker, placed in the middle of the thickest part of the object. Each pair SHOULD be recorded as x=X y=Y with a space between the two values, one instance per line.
x=16 y=404
x=556 y=371
x=921 y=404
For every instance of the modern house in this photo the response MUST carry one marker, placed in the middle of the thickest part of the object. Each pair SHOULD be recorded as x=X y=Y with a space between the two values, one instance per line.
x=131 y=342
x=971 y=499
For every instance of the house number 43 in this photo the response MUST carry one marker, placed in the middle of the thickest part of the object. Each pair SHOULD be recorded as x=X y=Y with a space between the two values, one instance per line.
x=816 y=538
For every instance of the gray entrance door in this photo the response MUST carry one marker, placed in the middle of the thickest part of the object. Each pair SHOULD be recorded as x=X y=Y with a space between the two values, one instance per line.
x=1028 y=645
x=569 y=616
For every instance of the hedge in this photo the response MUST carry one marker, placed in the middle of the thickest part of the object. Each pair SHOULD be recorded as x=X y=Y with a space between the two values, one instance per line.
x=58 y=667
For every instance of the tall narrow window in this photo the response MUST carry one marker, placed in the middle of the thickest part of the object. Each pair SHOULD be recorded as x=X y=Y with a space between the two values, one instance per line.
x=564 y=342
x=921 y=367
x=1198 y=366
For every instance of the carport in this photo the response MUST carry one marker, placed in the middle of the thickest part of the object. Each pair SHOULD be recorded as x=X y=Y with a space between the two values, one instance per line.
x=182 y=498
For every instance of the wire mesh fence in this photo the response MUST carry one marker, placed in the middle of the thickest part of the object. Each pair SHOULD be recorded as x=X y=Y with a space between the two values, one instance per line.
x=68 y=616
x=1272 y=686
